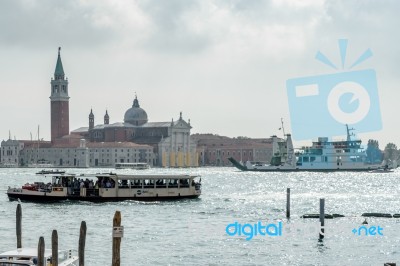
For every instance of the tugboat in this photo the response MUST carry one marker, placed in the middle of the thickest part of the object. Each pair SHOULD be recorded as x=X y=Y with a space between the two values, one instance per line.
x=323 y=155
x=110 y=187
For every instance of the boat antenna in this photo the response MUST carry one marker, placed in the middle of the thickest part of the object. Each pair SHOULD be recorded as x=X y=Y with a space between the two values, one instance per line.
x=283 y=129
x=348 y=132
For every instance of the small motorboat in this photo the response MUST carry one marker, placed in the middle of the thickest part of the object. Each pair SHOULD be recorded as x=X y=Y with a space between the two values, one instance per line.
x=381 y=170
x=50 y=172
x=28 y=256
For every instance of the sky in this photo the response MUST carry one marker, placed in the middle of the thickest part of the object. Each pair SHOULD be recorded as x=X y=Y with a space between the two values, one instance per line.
x=223 y=64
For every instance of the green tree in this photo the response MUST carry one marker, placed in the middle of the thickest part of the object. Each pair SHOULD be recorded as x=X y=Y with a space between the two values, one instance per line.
x=391 y=152
x=374 y=154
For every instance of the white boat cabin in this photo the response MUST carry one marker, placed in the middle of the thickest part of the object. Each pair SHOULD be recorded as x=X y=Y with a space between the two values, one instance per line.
x=29 y=256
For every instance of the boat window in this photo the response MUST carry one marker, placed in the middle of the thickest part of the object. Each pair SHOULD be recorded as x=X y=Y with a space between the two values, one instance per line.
x=137 y=183
x=184 y=182
x=305 y=159
x=149 y=183
x=312 y=159
x=161 y=183
x=123 y=184
x=173 y=183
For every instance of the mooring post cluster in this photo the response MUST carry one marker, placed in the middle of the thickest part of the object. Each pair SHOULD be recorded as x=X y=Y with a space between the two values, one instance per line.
x=40 y=261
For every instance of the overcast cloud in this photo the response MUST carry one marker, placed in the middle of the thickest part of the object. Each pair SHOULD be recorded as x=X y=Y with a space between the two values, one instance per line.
x=224 y=64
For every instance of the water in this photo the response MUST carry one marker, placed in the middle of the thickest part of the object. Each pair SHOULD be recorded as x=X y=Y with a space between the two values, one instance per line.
x=192 y=232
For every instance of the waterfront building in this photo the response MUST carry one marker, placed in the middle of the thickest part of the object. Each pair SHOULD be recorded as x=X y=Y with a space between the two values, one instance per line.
x=85 y=154
x=10 y=152
x=215 y=150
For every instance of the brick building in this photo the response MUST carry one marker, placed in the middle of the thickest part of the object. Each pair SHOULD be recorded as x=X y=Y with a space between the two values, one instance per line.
x=215 y=150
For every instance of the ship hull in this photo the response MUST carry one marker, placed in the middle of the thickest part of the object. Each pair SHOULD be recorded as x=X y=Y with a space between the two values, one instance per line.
x=241 y=167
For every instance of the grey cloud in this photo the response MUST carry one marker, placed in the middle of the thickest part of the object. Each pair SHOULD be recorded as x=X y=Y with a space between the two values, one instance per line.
x=175 y=21
x=43 y=23
x=172 y=30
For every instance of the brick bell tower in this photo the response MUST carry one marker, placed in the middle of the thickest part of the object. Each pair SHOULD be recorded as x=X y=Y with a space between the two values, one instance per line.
x=59 y=101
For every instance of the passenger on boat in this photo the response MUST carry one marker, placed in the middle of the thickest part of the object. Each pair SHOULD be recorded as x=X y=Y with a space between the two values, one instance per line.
x=124 y=183
x=76 y=184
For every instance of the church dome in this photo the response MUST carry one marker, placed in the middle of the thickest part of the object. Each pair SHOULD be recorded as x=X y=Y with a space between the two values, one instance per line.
x=135 y=115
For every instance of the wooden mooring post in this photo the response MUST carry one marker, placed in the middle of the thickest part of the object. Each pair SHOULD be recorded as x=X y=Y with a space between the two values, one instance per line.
x=116 y=239
x=41 y=260
x=82 y=241
x=54 y=248
x=288 y=203
x=19 y=226
x=322 y=218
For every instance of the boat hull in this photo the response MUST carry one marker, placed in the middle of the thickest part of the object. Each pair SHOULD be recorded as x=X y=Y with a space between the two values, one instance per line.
x=47 y=198
x=298 y=169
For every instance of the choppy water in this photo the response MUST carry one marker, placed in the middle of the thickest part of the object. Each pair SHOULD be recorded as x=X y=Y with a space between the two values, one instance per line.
x=192 y=232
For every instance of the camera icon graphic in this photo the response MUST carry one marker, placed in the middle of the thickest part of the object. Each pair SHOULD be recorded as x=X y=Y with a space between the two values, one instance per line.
x=321 y=105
